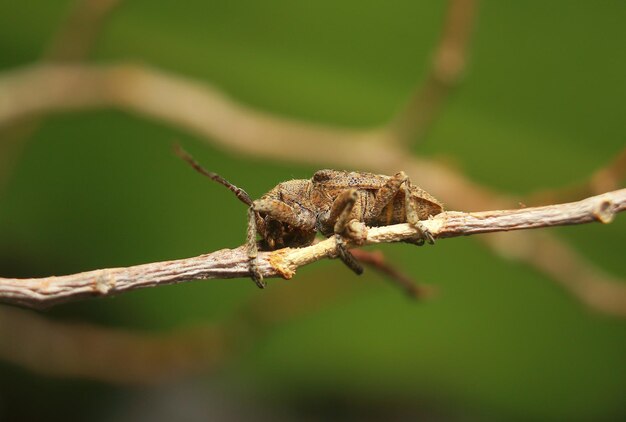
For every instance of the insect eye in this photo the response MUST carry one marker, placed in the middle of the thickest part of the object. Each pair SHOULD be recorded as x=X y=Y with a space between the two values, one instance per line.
x=321 y=176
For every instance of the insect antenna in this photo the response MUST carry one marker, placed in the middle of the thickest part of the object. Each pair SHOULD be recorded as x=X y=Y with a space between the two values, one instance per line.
x=239 y=193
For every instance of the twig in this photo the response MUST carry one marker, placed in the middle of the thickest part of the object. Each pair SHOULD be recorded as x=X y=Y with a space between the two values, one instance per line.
x=545 y=252
x=202 y=109
x=106 y=354
x=446 y=70
x=72 y=42
x=78 y=33
x=604 y=179
x=376 y=260
x=128 y=356
x=233 y=263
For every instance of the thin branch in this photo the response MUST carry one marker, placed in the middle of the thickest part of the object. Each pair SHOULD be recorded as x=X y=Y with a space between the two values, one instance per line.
x=233 y=263
x=106 y=354
x=446 y=70
x=78 y=33
x=376 y=260
x=72 y=42
x=298 y=143
x=201 y=109
x=128 y=356
x=607 y=178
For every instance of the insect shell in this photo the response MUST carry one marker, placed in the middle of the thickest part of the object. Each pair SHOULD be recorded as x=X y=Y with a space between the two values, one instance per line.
x=294 y=211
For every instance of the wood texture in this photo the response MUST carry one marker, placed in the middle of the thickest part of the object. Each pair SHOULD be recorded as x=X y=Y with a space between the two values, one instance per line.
x=233 y=263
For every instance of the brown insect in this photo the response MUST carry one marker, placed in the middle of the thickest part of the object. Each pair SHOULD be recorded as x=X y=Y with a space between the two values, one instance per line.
x=293 y=212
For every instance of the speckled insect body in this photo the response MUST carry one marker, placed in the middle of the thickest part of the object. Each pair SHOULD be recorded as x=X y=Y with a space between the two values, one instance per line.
x=293 y=212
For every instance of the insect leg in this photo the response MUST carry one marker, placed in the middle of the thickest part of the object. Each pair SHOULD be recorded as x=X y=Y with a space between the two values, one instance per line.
x=252 y=250
x=278 y=210
x=341 y=209
x=385 y=195
x=413 y=219
x=400 y=181
x=340 y=213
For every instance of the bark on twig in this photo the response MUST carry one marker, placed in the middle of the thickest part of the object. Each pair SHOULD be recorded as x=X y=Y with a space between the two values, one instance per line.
x=201 y=109
x=233 y=263
x=124 y=355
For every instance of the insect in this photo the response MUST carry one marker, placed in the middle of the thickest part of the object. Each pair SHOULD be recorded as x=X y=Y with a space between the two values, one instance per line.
x=293 y=212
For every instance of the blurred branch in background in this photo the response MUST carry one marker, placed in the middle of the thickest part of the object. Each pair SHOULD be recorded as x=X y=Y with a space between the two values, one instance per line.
x=72 y=42
x=121 y=356
x=446 y=70
x=111 y=355
x=80 y=30
x=234 y=263
x=376 y=260
x=118 y=356
x=607 y=178
x=205 y=111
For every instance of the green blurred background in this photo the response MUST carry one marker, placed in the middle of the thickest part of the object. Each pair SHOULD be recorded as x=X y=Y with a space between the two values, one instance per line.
x=542 y=106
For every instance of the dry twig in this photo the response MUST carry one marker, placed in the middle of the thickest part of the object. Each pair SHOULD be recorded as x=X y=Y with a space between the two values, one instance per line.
x=106 y=354
x=32 y=349
x=72 y=42
x=202 y=109
x=81 y=28
x=606 y=178
x=128 y=356
x=376 y=260
x=445 y=72
x=233 y=263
